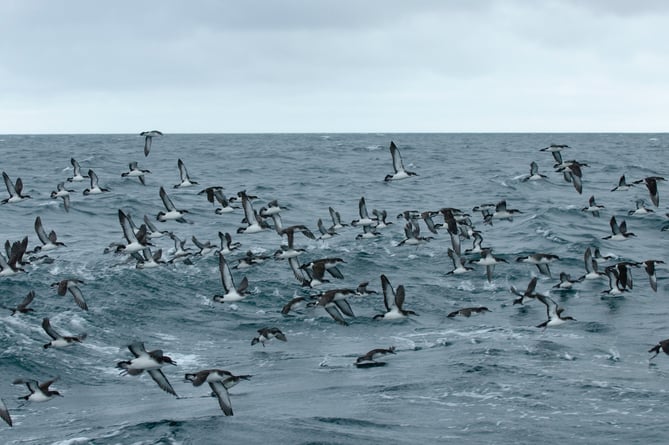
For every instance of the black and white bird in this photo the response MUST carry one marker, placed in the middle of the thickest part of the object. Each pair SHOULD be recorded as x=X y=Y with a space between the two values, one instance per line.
x=593 y=207
x=336 y=219
x=393 y=299
x=534 y=173
x=76 y=174
x=95 y=188
x=622 y=185
x=232 y=293
x=619 y=231
x=149 y=361
x=15 y=190
x=649 y=266
x=148 y=139
x=266 y=334
x=398 y=166
x=172 y=214
x=49 y=242
x=368 y=360
x=541 y=260
x=489 y=261
x=554 y=313
x=527 y=294
x=64 y=193
x=185 y=180
x=135 y=172
x=58 y=340
x=39 y=392
x=219 y=380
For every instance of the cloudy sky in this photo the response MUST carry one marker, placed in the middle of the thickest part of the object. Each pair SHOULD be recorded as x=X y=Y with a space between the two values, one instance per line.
x=84 y=66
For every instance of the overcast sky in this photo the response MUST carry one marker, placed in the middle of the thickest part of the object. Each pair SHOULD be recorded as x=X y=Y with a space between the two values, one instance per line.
x=333 y=66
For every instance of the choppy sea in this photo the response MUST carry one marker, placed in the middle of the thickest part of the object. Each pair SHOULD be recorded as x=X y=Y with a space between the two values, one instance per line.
x=491 y=378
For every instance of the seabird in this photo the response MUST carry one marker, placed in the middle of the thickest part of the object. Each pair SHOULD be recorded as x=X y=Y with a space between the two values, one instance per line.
x=619 y=232
x=22 y=307
x=459 y=266
x=148 y=138
x=541 y=260
x=181 y=252
x=566 y=283
x=528 y=294
x=15 y=190
x=38 y=392
x=412 y=235
x=219 y=381
x=266 y=334
x=534 y=173
x=641 y=208
x=72 y=286
x=135 y=172
x=367 y=360
x=364 y=220
x=476 y=243
x=215 y=195
x=76 y=175
x=254 y=223
x=94 y=189
x=183 y=175
x=227 y=246
x=393 y=299
x=149 y=260
x=398 y=165
x=336 y=219
x=501 y=212
x=294 y=304
x=553 y=311
x=57 y=340
x=272 y=208
x=592 y=207
x=622 y=185
x=325 y=232
x=468 y=311
x=152 y=231
x=172 y=212
x=135 y=242
x=615 y=287
x=62 y=192
x=232 y=293
x=380 y=217
x=488 y=260
x=150 y=362
x=49 y=242
x=591 y=267
x=334 y=301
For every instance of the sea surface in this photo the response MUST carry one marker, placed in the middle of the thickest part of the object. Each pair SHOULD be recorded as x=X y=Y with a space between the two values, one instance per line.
x=493 y=378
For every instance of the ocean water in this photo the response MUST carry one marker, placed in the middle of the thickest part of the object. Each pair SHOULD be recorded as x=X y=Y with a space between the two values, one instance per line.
x=491 y=378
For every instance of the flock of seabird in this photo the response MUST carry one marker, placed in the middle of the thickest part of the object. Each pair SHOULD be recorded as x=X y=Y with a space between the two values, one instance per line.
x=139 y=244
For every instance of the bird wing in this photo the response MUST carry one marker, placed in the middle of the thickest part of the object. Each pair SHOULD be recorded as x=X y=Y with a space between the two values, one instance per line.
x=388 y=293
x=78 y=297
x=167 y=202
x=41 y=233
x=137 y=348
x=398 y=165
x=158 y=377
x=223 y=397
x=226 y=275
x=51 y=332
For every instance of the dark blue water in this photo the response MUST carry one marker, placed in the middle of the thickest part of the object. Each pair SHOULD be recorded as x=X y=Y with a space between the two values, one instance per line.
x=492 y=378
